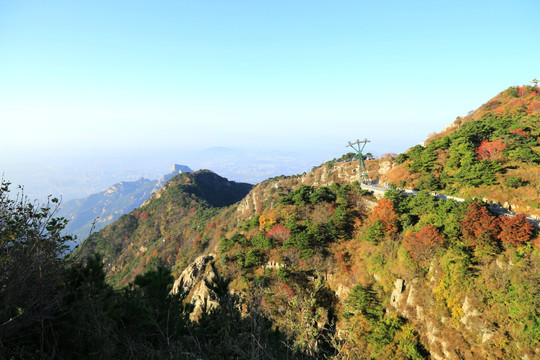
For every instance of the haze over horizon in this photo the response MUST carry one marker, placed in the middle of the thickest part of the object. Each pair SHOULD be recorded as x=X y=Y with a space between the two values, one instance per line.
x=92 y=93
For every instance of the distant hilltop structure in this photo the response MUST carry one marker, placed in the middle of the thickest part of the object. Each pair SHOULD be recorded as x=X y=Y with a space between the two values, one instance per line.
x=178 y=169
x=535 y=81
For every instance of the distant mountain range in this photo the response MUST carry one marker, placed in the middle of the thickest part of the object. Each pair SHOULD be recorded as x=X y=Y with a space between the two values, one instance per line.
x=79 y=174
x=98 y=210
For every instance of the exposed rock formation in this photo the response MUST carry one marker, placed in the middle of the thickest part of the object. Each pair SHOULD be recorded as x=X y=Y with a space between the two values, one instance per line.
x=342 y=173
x=192 y=274
x=385 y=167
x=194 y=280
x=397 y=293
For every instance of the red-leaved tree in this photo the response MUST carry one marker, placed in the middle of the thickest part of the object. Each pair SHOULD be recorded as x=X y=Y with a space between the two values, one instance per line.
x=490 y=150
x=279 y=233
x=515 y=230
x=479 y=227
x=387 y=215
x=424 y=244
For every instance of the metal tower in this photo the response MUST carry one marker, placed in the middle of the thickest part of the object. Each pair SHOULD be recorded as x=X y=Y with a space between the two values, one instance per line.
x=362 y=171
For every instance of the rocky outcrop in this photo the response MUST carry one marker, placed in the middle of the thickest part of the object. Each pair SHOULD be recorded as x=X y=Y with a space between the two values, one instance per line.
x=473 y=322
x=342 y=173
x=194 y=280
x=192 y=274
x=385 y=167
x=203 y=297
x=397 y=293
x=273 y=265
x=408 y=299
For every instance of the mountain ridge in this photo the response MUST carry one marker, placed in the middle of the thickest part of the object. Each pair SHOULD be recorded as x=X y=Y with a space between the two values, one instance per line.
x=172 y=217
x=98 y=210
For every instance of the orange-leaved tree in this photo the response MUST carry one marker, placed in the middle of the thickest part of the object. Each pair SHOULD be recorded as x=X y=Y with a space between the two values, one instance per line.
x=520 y=132
x=424 y=244
x=268 y=219
x=515 y=230
x=387 y=215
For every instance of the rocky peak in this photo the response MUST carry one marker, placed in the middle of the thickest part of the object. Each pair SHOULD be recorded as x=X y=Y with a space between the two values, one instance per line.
x=325 y=175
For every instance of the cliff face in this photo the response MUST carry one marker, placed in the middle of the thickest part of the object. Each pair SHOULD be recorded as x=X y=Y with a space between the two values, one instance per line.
x=195 y=281
x=268 y=193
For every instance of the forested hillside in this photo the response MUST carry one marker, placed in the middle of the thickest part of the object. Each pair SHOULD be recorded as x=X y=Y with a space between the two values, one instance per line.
x=494 y=153
x=172 y=222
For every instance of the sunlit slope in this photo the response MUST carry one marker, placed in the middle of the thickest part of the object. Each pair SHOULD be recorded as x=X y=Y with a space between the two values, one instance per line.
x=493 y=153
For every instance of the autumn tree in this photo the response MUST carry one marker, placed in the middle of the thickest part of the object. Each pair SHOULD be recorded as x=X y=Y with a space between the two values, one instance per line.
x=490 y=150
x=480 y=228
x=515 y=230
x=520 y=132
x=279 y=233
x=268 y=219
x=423 y=245
x=387 y=215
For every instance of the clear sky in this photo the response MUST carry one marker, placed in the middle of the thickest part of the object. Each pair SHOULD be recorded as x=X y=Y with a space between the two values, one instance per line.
x=134 y=75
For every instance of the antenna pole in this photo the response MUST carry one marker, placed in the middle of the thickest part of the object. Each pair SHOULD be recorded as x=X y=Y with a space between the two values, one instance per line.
x=359 y=146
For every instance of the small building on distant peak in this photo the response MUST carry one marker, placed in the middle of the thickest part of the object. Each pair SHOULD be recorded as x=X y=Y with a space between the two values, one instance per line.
x=535 y=81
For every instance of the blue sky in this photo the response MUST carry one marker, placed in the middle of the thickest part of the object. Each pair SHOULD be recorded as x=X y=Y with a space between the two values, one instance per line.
x=131 y=75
